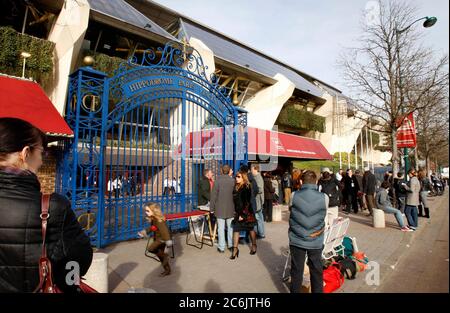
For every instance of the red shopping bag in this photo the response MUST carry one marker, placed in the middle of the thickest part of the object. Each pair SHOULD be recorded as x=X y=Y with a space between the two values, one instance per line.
x=332 y=278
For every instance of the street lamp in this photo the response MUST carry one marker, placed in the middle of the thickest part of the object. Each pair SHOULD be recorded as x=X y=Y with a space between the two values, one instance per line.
x=25 y=56
x=429 y=22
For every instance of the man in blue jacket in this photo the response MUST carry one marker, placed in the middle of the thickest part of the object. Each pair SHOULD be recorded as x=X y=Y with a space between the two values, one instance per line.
x=306 y=233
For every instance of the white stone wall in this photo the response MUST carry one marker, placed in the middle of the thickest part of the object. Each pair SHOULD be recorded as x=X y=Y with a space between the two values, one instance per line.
x=264 y=108
x=343 y=138
x=67 y=34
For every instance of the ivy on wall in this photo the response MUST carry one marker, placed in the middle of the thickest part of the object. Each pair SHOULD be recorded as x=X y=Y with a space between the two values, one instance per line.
x=103 y=62
x=301 y=119
x=39 y=65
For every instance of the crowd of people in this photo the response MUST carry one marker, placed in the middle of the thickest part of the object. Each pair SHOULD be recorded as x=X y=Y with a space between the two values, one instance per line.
x=241 y=203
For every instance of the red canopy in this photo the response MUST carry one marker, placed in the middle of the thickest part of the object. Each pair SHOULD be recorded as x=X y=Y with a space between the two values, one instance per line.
x=260 y=141
x=268 y=142
x=26 y=100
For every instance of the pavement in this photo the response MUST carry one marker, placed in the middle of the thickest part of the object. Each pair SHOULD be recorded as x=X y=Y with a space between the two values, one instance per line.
x=408 y=261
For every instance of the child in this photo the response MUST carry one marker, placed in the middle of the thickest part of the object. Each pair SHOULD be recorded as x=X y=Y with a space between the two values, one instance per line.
x=162 y=235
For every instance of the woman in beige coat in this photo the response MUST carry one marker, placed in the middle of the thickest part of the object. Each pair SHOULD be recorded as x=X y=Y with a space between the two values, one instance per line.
x=412 y=200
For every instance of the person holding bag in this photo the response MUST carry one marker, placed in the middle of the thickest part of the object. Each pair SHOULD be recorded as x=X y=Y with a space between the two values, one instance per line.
x=21 y=209
x=244 y=219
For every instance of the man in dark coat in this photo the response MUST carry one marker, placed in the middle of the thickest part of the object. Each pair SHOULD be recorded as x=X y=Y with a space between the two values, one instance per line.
x=351 y=191
x=269 y=192
x=205 y=186
x=360 y=191
x=369 y=188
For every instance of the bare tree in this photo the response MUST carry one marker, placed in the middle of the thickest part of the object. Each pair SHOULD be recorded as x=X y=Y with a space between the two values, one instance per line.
x=383 y=73
x=432 y=124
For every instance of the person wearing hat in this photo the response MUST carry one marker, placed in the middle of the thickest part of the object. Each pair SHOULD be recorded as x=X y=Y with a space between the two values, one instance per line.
x=329 y=185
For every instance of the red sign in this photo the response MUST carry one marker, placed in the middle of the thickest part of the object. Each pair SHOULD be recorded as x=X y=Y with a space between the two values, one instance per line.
x=263 y=142
x=406 y=133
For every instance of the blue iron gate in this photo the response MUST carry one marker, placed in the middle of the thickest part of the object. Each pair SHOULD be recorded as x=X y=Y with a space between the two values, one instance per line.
x=145 y=135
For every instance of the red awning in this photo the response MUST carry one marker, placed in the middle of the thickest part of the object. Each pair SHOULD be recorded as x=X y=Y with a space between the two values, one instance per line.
x=268 y=142
x=260 y=141
x=26 y=100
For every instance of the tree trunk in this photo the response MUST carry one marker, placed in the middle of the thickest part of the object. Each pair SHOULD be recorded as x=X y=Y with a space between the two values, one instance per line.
x=394 y=153
x=427 y=159
x=416 y=159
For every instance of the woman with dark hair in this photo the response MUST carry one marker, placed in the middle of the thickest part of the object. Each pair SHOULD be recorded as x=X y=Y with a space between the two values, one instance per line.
x=244 y=218
x=21 y=148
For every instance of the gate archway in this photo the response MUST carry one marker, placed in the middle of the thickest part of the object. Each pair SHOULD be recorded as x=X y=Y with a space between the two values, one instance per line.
x=145 y=135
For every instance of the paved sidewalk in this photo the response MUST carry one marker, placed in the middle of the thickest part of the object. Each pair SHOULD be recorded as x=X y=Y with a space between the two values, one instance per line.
x=206 y=270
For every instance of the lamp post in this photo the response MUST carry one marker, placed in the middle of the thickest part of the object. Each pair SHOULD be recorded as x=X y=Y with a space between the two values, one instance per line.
x=429 y=22
x=25 y=56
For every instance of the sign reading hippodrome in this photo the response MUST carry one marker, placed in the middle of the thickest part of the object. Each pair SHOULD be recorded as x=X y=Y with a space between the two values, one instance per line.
x=142 y=84
x=136 y=86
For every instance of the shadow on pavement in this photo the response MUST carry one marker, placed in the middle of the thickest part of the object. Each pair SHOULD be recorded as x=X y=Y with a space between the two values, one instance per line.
x=271 y=261
x=120 y=273
x=212 y=286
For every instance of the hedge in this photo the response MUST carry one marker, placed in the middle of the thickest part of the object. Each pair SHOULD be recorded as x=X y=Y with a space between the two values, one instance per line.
x=301 y=119
x=39 y=65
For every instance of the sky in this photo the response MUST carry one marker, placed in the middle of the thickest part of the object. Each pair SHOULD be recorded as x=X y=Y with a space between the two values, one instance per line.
x=306 y=34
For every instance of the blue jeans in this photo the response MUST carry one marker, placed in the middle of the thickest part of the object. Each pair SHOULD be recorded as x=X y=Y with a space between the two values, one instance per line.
x=221 y=233
x=398 y=215
x=401 y=201
x=412 y=215
x=259 y=227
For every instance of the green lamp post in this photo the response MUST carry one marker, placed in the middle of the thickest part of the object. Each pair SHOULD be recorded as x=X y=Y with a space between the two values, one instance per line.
x=429 y=22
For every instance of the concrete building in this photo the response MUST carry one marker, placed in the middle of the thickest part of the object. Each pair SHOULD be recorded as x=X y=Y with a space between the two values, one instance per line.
x=277 y=96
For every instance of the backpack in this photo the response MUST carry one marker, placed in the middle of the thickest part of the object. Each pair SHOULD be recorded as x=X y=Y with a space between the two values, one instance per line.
x=332 y=278
x=330 y=189
x=347 y=242
x=347 y=266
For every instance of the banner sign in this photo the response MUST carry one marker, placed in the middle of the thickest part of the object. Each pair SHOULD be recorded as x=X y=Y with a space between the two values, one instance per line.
x=406 y=133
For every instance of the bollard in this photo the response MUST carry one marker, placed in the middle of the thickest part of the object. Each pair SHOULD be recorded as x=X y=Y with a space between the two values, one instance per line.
x=276 y=213
x=378 y=218
x=97 y=275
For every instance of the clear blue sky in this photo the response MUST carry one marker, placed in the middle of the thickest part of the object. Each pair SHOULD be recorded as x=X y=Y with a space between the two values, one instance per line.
x=307 y=34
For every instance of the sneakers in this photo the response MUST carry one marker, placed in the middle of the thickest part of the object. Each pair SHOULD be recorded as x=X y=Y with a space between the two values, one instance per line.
x=411 y=227
x=406 y=229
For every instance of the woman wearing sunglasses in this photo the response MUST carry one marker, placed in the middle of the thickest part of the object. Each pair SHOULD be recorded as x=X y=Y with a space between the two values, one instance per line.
x=244 y=219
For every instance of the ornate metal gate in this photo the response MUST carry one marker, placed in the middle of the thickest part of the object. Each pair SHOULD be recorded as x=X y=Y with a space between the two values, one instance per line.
x=145 y=135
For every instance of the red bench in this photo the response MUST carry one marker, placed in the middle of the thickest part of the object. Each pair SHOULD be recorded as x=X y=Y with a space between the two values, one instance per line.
x=188 y=216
